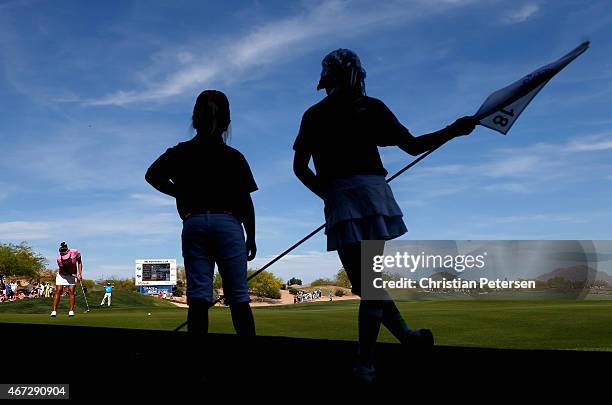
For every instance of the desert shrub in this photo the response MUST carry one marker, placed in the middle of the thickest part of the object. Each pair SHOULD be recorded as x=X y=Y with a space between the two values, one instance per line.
x=322 y=281
x=266 y=284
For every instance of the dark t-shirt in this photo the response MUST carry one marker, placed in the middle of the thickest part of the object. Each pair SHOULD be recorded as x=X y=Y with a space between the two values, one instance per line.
x=343 y=136
x=207 y=175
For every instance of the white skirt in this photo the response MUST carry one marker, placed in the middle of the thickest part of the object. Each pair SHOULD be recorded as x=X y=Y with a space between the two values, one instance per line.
x=65 y=279
x=361 y=208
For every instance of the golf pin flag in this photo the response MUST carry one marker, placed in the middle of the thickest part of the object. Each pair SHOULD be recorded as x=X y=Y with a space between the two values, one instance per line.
x=502 y=108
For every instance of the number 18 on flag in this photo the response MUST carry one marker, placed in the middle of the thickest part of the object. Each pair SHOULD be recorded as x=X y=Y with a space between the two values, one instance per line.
x=501 y=109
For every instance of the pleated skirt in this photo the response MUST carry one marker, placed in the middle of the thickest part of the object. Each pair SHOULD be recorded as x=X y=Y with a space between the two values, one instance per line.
x=361 y=208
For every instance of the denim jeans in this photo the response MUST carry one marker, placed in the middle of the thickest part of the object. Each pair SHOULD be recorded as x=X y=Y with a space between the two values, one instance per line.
x=210 y=239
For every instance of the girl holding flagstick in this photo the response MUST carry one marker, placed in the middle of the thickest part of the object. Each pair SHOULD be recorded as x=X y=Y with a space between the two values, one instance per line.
x=342 y=134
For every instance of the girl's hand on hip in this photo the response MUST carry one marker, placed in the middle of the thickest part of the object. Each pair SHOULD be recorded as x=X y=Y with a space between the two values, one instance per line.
x=251 y=248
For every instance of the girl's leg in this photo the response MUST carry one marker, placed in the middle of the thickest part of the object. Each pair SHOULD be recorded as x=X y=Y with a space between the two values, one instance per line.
x=394 y=322
x=199 y=267
x=197 y=333
x=71 y=298
x=232 y=263
x=370 y=312
x=242 y=318
x=391 y=318
x=370 y=318
x=197 y=317
x=56 y=297
x=235 y=288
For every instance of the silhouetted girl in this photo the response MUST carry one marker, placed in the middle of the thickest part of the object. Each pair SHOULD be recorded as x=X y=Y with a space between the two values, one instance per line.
x=212 y=183
x=342 y=134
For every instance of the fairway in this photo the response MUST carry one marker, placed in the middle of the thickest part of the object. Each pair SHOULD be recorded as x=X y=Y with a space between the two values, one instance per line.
x=566 y=325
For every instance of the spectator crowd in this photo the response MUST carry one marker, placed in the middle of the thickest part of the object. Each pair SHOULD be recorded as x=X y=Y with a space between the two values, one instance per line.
x=303 y=296
x=13 y=290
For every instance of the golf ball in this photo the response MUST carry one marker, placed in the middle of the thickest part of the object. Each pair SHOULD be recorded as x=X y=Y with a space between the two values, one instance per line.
x=149 y=314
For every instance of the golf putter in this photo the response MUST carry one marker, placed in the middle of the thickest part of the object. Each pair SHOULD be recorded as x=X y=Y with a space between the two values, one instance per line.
x=84 y=296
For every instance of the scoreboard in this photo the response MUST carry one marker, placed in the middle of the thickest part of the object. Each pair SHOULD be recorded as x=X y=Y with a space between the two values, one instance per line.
x=155 y=272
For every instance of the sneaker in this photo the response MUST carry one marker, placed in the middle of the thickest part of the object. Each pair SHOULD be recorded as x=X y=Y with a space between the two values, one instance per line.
x=364 y=373
x=420 y=338
x=53 y=314
x=70 y=313
x=426 y=337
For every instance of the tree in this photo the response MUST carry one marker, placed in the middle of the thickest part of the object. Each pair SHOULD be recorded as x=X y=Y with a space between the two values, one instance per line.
x=342 y=279
x=217 y=282
x=20 y=261
x=181 y=275
x=295 y=281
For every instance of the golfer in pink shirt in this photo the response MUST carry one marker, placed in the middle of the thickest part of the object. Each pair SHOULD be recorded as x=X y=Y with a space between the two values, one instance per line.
x=70 y=269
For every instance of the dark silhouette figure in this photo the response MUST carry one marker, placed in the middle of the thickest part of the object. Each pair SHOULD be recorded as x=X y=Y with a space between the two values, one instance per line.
x=211 y=182
x=342 y=134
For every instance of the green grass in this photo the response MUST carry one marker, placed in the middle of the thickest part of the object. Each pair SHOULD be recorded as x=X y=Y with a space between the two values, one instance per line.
x=569 y=325
x=120 y=300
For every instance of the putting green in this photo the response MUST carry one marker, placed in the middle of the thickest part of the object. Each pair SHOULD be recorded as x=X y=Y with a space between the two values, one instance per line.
x=570 y=325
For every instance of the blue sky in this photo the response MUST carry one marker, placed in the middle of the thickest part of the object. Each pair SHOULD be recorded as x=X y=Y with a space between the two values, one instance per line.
x=93 y=92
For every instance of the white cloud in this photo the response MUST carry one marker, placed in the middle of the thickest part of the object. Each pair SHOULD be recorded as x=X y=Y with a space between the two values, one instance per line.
x=276 y=227
x=275 y=43
x=17 y=231
x=512 y=219
x=514 y=165
x=522 y=14
x=527 y=169
x=159 y=200
x=101 y=233
x=590 y=143
x=104 y=156
x=508 y=187
x=306 y=266
x=109 y=223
